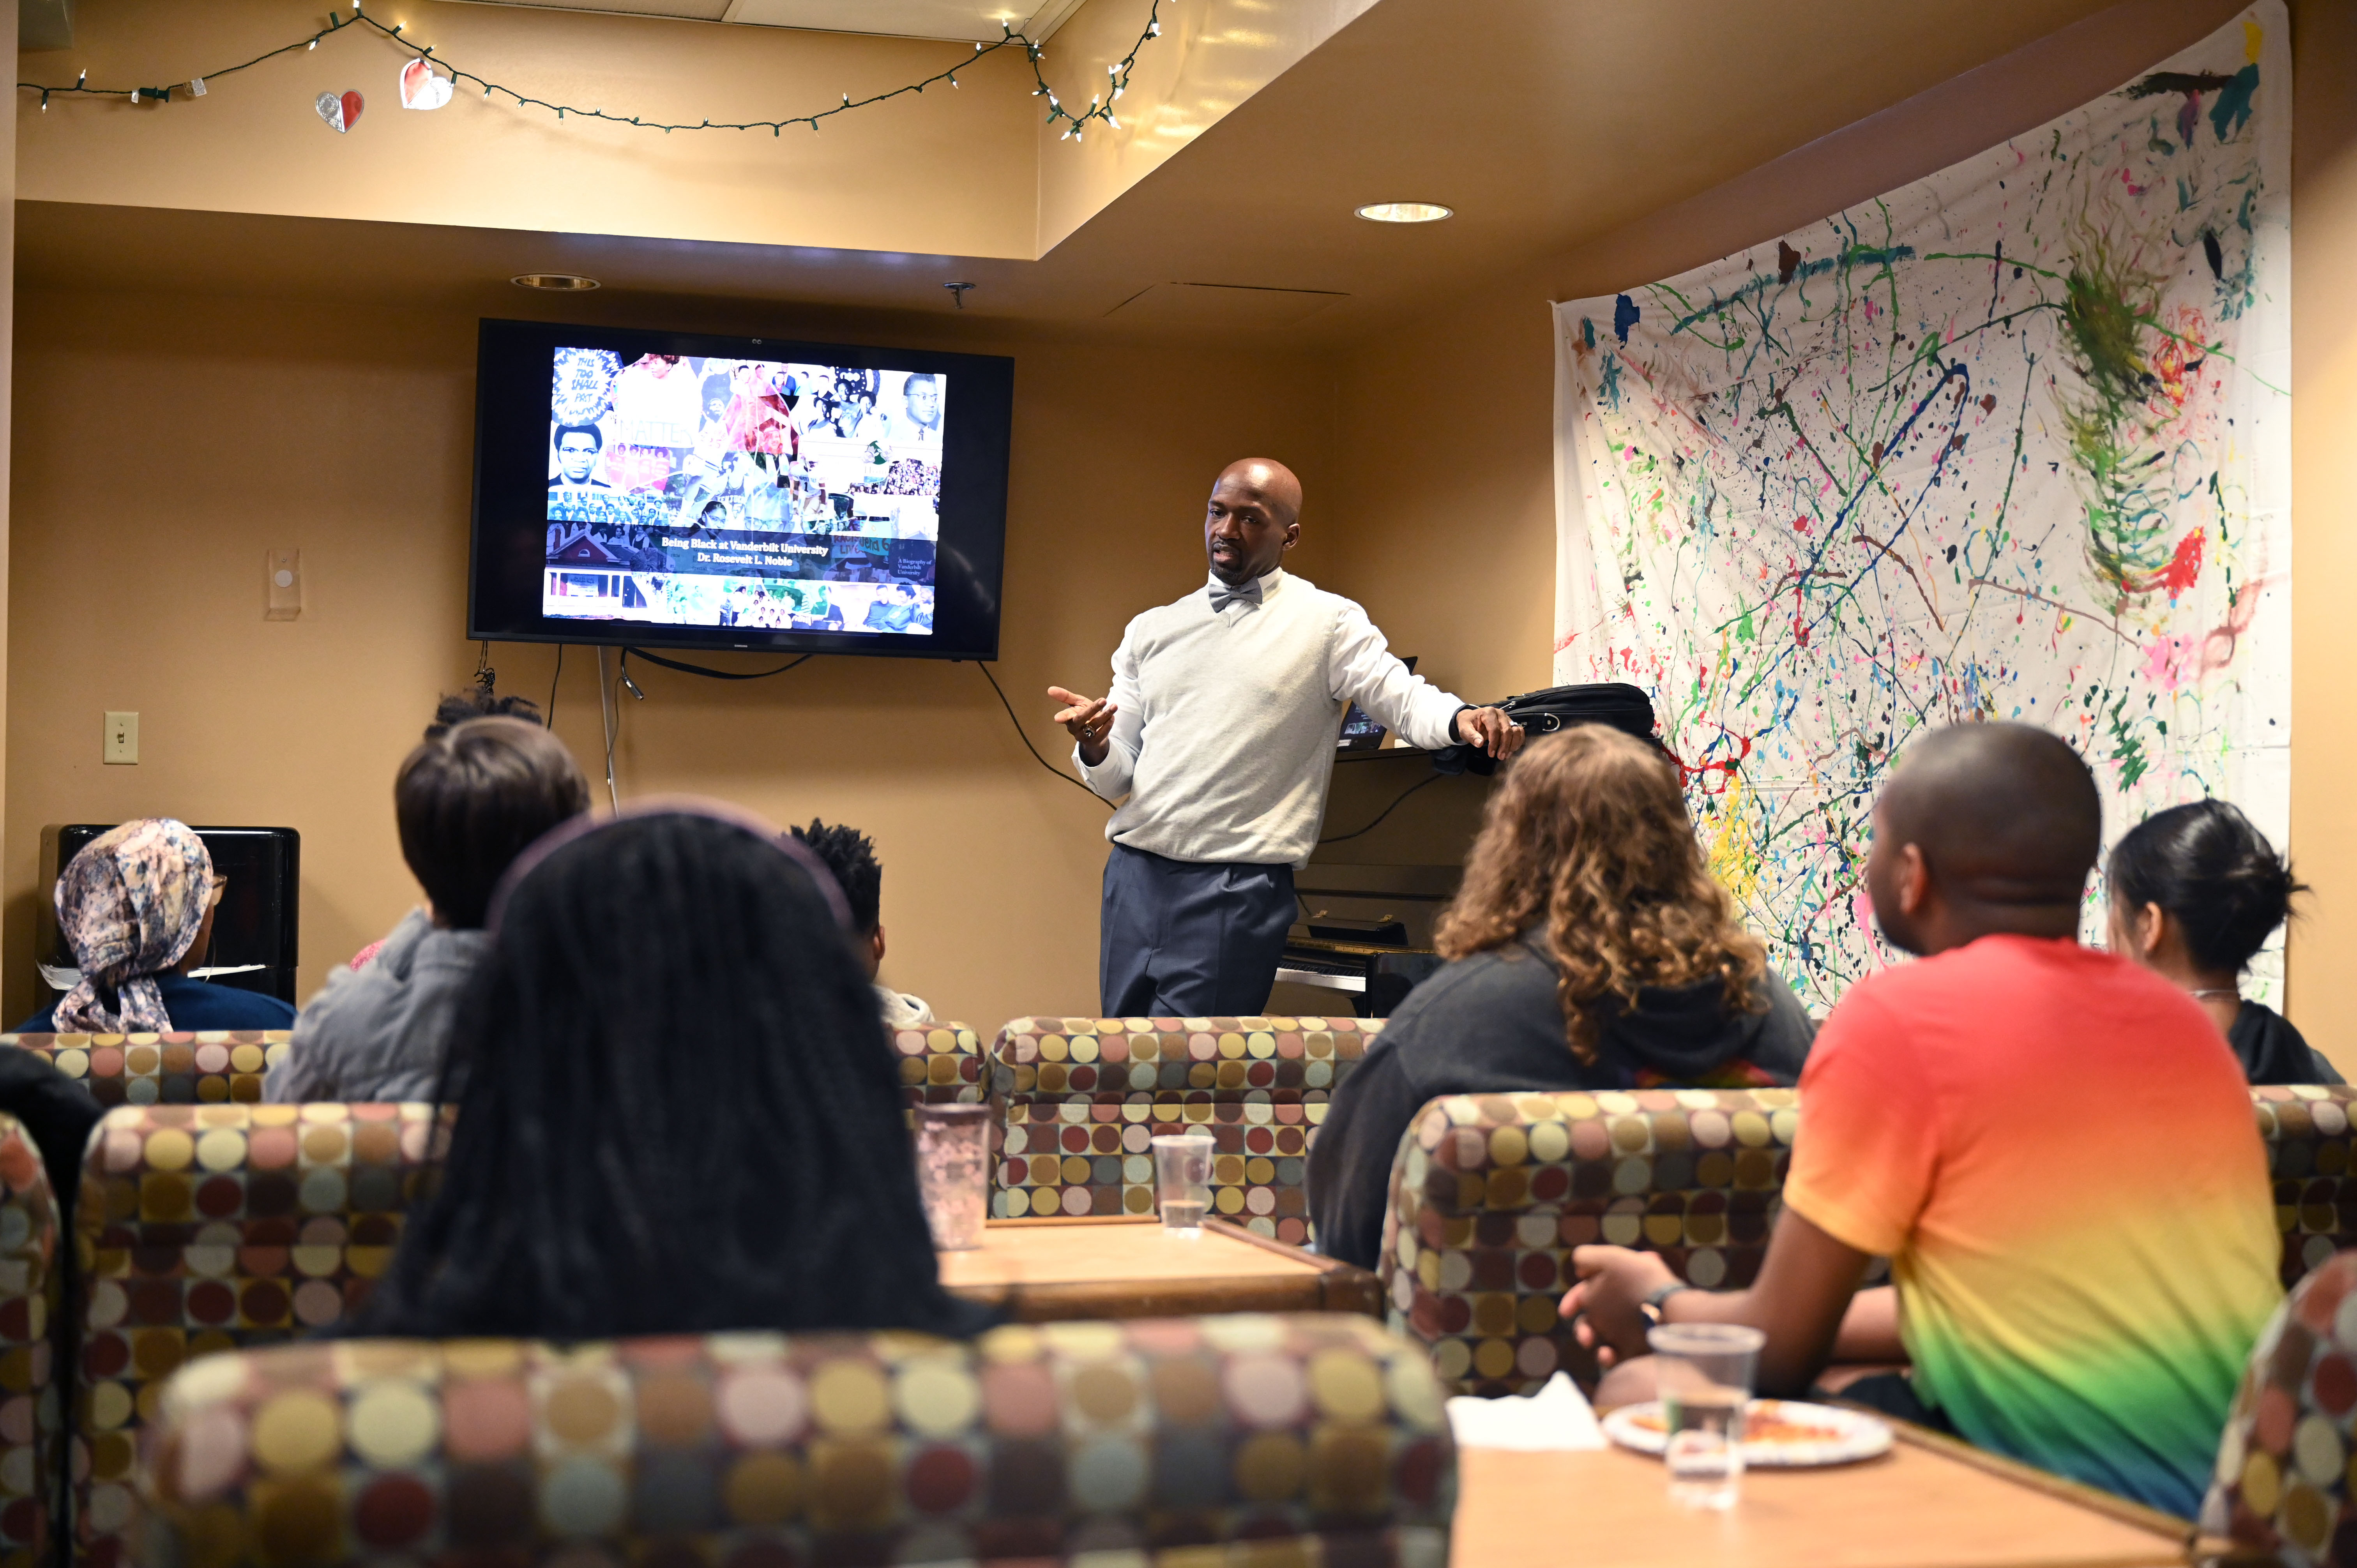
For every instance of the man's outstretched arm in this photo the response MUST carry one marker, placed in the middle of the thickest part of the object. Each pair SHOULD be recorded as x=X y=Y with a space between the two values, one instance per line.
x=1105 y=730
x=1799 y=1302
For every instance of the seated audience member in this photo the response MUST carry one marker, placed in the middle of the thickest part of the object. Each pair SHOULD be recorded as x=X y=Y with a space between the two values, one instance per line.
x=677 y=1111
x=2196 y=892
x=476 y=702
x=1591 y=948
x=468 y=801
x=136 y=906
x=2048 y=1142
x=851 y=856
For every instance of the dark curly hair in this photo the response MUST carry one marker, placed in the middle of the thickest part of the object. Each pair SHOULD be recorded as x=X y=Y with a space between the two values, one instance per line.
x=1588 y=831
x=480 y=703
x=851 y=856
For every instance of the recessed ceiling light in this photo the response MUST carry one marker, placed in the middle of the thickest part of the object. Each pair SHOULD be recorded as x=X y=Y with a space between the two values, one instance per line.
x=1404 y=212
x=561 y=282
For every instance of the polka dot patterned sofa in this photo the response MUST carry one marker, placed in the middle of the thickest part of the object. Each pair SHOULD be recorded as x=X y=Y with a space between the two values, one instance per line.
x=2283 y=1484
x=2313 y=1154
x=1490 y=1192
x=941 y=1064
x=210 y=1228
x=204 y=1068
x=1252 y=1441
x=1080 y=1097
x=32 y=1450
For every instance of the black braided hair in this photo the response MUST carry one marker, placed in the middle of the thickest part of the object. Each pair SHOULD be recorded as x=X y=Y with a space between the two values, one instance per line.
x=2216 y=874
x=677 y=1111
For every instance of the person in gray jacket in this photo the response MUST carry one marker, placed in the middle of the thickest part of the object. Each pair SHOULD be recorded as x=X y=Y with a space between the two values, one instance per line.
x=468 y=803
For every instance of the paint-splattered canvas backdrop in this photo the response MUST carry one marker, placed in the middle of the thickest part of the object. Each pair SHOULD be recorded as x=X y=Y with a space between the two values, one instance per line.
x=2012 y=442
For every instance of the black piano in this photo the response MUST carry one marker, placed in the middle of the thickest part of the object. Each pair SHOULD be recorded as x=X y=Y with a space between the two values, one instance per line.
x=1390 y=854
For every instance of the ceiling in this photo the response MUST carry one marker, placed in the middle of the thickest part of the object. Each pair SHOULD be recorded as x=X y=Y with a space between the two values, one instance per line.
x=976 y=19
x=1545 y=124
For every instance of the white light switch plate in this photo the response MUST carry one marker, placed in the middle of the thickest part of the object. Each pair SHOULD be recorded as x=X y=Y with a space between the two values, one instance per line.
x=283 y=578
x=121 y=738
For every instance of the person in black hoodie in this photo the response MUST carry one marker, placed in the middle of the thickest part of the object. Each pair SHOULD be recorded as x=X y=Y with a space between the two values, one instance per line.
x=2196 y=892
x=1591 y=948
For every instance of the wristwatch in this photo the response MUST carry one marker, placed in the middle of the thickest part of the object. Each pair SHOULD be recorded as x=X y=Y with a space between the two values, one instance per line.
x=1652 y=1305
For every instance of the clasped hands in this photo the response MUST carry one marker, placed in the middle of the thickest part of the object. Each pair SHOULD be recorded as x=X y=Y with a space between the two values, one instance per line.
x=1603 y=1307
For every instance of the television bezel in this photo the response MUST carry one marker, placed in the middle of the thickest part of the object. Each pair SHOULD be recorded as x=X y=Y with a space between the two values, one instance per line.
x=514 y=365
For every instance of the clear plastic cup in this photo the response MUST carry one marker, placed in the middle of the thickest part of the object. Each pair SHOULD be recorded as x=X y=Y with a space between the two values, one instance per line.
x=954 y=1172
x=1704 y=1373
x=1182 y=1181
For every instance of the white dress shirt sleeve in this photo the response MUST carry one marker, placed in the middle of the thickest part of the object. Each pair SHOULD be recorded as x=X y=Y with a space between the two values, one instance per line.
x=1361 y=670
x=1110 y=778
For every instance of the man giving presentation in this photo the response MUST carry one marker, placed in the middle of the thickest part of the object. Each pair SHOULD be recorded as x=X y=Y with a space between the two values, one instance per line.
x=1217 y=744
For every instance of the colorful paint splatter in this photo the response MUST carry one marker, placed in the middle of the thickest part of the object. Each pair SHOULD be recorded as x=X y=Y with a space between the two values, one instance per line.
x=2009 y=443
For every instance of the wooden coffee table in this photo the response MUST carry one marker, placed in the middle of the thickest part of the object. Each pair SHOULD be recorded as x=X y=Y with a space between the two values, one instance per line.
x=1931 y=1502
x=1037 y=1270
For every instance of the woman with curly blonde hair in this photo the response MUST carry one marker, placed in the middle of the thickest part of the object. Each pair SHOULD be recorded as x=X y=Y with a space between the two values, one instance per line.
x=1589 y=948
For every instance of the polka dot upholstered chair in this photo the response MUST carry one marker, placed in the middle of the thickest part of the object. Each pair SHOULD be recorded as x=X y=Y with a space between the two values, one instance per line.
x=205 y=1069
x=1282 y=1442
x=1080 y=1096
x=210 y=1228
x=2283 y=1480
x=31 y=1440
x=941 y=1064
x=2309 y=1139
x=1491 y=1192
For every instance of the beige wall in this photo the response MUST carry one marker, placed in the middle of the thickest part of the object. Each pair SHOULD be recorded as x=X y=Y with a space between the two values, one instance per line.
x=1212 y=56
x=950 y=170
x=1444 y=445
x=964 y=171
x=346 y=432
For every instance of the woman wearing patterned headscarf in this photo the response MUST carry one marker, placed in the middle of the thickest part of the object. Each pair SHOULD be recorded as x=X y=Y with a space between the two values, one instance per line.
x=136 y=906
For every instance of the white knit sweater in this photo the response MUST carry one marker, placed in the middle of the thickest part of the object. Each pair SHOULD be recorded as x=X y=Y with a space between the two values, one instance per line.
x=1224 y=741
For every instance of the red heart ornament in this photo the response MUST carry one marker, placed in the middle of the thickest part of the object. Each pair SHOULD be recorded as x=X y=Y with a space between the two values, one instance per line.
x=353 y=103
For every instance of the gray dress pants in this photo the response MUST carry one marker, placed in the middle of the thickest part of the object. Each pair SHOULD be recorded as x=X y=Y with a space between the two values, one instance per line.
x=1180 y=938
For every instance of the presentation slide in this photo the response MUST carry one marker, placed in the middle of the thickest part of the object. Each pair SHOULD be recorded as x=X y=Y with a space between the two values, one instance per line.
x=726 y=492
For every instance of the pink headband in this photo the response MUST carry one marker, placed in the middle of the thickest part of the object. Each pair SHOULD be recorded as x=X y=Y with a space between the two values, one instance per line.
x=582 y=826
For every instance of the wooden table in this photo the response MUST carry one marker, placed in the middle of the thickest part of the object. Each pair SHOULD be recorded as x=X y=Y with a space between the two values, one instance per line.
x=1035 y=1270
x=1929 y=1503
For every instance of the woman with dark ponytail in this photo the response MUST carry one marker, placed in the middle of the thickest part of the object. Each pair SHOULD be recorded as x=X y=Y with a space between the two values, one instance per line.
x=677 y=1111
x=2196 y=892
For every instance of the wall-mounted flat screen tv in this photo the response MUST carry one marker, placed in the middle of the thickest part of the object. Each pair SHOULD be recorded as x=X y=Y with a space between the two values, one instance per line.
x=675 y=490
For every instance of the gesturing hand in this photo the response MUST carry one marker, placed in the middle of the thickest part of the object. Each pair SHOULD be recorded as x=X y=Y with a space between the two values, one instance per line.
x=1489 y=729
x=1090 y=720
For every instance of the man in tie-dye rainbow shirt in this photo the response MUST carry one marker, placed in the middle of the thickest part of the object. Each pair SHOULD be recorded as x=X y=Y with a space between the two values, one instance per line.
x=2058 y=1156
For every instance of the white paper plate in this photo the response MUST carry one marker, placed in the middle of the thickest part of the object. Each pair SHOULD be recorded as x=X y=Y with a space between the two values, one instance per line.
x=1832 y=1436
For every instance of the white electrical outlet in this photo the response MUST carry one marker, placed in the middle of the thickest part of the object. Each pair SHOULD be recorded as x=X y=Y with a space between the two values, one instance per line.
x=123 y=739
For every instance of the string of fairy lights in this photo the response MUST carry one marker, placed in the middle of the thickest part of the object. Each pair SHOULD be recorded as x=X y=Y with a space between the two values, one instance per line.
x=1075 y=121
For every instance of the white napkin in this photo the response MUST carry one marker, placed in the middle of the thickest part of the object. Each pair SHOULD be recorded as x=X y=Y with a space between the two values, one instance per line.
x=1557 y=1418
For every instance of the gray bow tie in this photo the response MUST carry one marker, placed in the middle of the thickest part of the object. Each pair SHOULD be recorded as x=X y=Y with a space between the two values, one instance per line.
x=1223 y=594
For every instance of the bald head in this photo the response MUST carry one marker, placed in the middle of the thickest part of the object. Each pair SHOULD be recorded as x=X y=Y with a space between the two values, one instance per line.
x=1984 y=828
x=1252 y=519
x=1266 y=480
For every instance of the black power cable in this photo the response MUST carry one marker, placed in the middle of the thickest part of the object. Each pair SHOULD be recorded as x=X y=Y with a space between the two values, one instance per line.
x=711 y=675
x=553 y=680
x=1025 y=739
x=1387 y=810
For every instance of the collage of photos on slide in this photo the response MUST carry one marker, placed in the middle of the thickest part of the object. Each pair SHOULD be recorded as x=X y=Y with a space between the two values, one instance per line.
x=722 y=492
